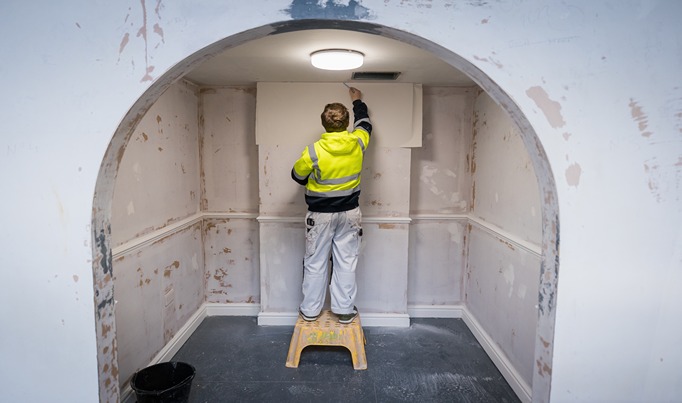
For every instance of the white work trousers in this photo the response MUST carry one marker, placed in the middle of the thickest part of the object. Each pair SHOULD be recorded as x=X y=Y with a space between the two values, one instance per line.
x=341 y=234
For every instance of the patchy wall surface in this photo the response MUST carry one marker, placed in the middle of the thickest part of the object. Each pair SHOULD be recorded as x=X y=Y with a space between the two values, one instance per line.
x=441 y=179
x=232 y=260
x=229 y=153
x=384 y=201
x=501 y=293
x=158 y=288
x=230 y=196
x=440 y=184
x=503 y=267
x=158 y=261
x=505 y=186
x=157 y=182
x=565 y=70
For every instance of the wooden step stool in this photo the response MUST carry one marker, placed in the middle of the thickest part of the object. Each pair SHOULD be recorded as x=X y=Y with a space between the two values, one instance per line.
x=327 y=331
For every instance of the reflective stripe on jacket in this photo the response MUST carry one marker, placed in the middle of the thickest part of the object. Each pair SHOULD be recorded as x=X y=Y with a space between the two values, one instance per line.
x=333 y=164
x=331 y=167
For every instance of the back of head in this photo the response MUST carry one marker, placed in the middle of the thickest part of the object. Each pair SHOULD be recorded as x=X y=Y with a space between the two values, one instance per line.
x=335 y=117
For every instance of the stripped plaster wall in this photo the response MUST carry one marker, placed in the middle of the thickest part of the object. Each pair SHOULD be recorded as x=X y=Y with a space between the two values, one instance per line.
x=440 y=183
x=384 y=202
x=158 y=259
x=193 y=147
x=214 y=128
x=503 y=265
x=598 y=83
x=229 y=188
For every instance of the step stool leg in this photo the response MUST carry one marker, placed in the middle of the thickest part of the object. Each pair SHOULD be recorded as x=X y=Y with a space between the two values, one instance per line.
x=358 y=349
x=295 y=348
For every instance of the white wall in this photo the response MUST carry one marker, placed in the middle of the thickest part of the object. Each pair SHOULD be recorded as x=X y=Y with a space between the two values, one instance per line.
x=598 y=82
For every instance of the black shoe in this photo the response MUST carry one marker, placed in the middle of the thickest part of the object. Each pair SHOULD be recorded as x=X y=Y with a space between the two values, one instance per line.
x=348 y=317
x=308 y=318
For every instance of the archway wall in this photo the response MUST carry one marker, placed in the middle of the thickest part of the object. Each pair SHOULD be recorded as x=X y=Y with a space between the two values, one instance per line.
x=598 y=83
x=504 y=239
x=157 y=231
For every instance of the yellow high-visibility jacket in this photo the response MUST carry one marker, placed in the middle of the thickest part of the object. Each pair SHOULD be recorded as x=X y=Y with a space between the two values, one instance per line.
x=331 y=167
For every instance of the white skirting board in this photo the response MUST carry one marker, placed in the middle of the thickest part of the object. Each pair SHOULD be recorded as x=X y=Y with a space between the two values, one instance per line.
x=232 y=309
x=510 y=374
x=368 y=319
x=520 y=387
x=435 y=311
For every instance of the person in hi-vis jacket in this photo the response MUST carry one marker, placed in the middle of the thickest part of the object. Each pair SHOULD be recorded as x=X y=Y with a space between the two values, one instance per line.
x=330 y=170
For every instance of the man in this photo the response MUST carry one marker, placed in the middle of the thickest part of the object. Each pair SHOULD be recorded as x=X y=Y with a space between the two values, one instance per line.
x=330 y=170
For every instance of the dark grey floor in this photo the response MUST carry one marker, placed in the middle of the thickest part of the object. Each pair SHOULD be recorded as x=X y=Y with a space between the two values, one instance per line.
x=434 y=360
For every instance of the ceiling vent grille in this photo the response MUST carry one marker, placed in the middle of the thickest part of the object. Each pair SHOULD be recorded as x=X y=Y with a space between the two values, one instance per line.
x=376 y=75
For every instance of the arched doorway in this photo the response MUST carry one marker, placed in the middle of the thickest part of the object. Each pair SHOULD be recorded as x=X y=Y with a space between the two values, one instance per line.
x=102 y=203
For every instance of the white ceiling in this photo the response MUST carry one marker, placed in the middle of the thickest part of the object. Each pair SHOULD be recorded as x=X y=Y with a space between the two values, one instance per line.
x=286 y=58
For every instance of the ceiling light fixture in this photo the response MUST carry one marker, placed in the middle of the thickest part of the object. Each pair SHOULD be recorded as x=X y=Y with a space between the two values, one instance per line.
x=337 y=59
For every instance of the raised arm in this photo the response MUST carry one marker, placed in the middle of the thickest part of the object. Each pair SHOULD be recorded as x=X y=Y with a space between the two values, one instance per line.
x=360 y=111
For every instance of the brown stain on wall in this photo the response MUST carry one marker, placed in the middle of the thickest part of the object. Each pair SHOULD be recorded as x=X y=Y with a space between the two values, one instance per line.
x=550 y=108
x=169 y=269
x=640 y=117
x=473 y=194
x=220 y=276
x=201 y=134
x=508 y=244
x=543 y=368
x=387 y=226
x=573 y=173
x=491 y=60
x=474 y=134
x=651 y=168
x=120 y=154
x=105 y=330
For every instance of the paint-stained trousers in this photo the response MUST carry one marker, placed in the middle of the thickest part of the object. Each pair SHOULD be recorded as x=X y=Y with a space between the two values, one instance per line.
x=341 y=234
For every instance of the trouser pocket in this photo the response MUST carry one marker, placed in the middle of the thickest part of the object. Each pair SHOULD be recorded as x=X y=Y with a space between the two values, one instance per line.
x=354 y=223
x=312 y=233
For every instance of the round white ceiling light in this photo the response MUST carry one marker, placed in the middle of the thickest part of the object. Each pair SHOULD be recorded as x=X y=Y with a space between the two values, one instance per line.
x=337 y=59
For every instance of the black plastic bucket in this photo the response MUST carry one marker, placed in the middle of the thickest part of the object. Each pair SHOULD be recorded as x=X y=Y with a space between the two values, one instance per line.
x=167 y=382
